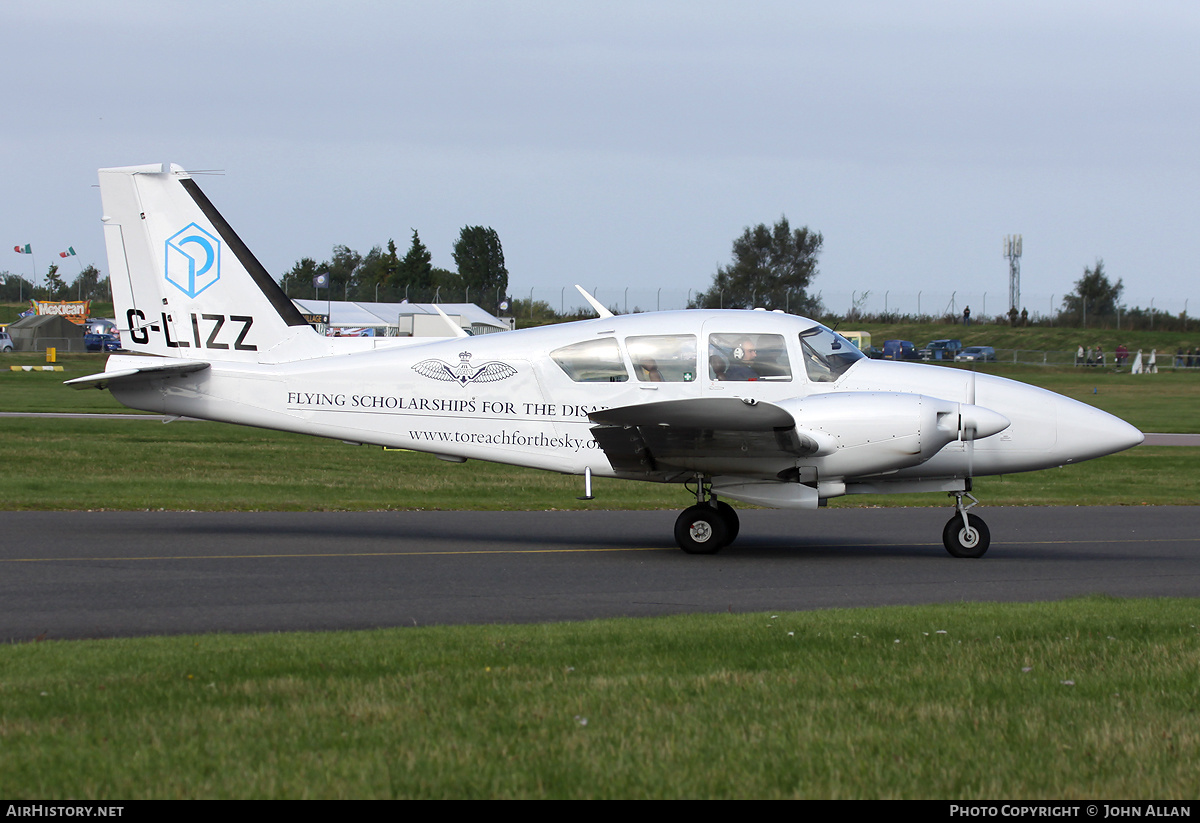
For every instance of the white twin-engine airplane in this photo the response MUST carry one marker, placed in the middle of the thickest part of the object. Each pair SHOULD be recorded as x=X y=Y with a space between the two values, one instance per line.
x=762 y=407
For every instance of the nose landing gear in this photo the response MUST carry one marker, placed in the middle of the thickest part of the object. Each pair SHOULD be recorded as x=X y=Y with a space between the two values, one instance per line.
x=966 y=535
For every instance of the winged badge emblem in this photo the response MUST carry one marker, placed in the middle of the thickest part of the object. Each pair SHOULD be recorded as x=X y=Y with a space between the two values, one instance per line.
x=464 y=372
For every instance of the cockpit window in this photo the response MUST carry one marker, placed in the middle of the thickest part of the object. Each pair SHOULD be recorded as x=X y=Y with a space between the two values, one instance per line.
x=748 y=357
x=592 y=361
x=827 y=355
x=663 y=358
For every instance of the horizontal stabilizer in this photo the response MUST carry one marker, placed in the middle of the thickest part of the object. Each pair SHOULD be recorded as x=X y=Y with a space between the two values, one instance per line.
x=124 y=376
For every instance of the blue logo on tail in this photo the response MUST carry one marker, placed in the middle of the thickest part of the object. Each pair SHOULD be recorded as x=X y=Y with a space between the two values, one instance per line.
x=193 y=260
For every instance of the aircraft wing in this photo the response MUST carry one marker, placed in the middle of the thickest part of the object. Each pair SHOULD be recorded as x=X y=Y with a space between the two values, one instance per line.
x=124 y=376
x=716 y=435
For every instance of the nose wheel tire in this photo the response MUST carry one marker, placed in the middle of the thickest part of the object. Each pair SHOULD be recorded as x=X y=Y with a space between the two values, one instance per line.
x=971 y=540
x=701 y=530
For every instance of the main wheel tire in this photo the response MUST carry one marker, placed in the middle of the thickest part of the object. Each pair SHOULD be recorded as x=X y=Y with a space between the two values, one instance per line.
x=701 y=530
x=733 y=524
x=972 y=541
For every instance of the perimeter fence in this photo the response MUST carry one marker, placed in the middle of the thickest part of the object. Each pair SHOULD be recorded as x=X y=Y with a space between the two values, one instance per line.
x=1035 y=357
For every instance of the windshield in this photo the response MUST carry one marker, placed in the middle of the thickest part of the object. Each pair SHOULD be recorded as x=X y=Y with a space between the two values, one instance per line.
x=827 y=355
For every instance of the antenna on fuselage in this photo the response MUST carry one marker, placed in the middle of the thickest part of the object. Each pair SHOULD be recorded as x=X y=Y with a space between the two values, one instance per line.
x=458 y=330
x=593 y=302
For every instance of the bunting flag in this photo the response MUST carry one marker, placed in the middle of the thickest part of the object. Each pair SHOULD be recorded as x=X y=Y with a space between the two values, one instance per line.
x=26 y=249
x=70 y=252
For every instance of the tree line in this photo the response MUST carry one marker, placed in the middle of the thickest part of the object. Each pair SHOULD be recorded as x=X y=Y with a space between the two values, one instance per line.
x=772 y=267
x=87 y=285
x=384 y=276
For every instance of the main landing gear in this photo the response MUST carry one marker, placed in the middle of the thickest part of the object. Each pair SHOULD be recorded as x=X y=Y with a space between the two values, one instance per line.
x=712 y=524
x=708 y=526
x=966 y=535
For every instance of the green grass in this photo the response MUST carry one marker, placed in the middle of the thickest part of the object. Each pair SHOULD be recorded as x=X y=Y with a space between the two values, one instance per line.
x=40 y=391
x=133 y=464
x=1145 y=476
x=1164 y=402
x=1031 y=338
x=1092 y=698
x=92 y=464
x=1082 y=699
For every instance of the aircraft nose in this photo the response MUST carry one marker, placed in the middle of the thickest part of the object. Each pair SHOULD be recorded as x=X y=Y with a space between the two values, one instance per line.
x=1085 y=432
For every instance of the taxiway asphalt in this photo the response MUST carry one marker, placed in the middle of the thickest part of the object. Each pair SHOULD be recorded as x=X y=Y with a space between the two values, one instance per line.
x=104 y=574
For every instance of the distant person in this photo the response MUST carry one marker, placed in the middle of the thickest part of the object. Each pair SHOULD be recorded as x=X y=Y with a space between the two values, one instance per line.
x=1024 y=317
x=1079 y=356
x=967 y=316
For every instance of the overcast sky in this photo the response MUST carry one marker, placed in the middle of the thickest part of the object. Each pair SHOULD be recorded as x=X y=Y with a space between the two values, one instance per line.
x=625 y=144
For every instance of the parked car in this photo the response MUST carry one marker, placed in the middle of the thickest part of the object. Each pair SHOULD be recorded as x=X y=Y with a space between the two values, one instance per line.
x=100 y=325
x=101 y=342
x=980 y=354
x=941 y=350
x=899 y=350
x=6 y=344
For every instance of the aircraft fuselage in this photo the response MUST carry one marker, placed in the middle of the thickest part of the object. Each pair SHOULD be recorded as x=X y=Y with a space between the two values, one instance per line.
x=504 y=398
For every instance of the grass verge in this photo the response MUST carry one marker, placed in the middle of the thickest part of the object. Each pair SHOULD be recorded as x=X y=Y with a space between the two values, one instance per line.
x=62 y=464
x=1087 y=698
x=72 y=464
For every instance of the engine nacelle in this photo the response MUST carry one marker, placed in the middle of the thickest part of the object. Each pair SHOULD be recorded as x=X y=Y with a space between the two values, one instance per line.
x=867 y=433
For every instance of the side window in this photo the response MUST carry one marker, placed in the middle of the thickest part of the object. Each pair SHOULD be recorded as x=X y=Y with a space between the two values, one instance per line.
x=592 y=361
x=666 y=358
x=748 y=357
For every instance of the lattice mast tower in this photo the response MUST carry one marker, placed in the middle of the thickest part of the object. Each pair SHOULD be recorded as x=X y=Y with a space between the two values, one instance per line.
x=1012 y=253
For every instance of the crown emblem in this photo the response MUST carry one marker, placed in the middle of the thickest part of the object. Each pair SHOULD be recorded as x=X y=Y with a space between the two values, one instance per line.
x=464 y=372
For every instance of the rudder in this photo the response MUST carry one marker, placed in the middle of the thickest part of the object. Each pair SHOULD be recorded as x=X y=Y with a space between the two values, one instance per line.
x=184 y=284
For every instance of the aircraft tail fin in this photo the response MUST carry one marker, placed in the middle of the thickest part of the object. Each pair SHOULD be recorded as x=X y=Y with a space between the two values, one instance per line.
x=184 y=284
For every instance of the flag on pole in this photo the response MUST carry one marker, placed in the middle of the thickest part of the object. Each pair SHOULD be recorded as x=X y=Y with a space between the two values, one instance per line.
x=321 y=280
x=70 y=252
x=26 y=249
